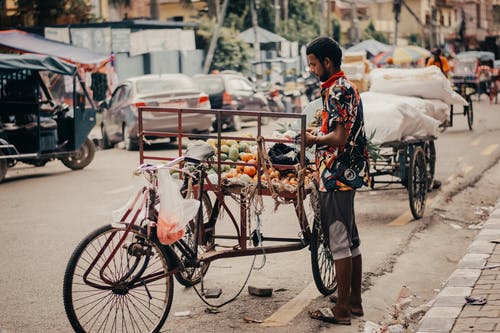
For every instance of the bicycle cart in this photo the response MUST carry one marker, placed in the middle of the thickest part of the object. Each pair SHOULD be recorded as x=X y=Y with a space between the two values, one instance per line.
x=120 y=277
x=413 y=163
x=465 y=83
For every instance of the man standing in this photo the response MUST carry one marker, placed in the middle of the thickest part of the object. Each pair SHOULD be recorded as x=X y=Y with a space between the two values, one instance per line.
x=342 y=164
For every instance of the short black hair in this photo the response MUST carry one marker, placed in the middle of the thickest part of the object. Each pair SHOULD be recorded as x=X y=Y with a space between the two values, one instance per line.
x=326 y=47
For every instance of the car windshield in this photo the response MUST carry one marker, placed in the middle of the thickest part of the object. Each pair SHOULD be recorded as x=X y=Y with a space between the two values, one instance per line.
x=152 y=86
x=210 y=85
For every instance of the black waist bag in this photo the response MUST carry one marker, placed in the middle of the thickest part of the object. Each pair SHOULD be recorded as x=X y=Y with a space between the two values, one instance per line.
x=280 y=154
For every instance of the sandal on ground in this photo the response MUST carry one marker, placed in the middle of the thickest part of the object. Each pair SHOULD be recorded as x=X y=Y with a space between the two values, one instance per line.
x=326 y=315
x=355 y=312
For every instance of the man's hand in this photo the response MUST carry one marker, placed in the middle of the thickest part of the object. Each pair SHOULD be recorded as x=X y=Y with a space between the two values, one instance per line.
x=310 y=140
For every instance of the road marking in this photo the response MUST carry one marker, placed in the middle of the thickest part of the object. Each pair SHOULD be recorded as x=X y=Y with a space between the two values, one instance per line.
x=490 y=149
x=406 y=217
x=119 y=190
x=290 y=310
x=475 y=142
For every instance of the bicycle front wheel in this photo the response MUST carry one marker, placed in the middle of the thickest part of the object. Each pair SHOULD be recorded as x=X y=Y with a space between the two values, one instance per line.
x=132 y=293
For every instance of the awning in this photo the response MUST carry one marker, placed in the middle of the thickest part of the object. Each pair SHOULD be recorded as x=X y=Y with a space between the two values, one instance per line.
x=265 y=36
x=35 y=62
x=371 y=46
x=32 y=43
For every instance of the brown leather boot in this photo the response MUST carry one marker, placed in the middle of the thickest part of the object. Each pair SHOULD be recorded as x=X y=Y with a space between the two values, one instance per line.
x=342 y=309
x=356 y=277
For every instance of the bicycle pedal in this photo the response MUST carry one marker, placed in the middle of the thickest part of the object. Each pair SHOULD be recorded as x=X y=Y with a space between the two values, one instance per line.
x=213 y=293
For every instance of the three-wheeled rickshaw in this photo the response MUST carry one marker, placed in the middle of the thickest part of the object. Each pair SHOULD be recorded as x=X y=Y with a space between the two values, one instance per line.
x=46 y=113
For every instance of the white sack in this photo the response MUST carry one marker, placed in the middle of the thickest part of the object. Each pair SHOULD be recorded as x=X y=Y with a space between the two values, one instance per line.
x=395 y=118
x=427 y=83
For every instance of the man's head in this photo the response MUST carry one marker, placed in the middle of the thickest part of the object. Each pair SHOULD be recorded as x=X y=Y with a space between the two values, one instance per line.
x=324 y=56
x=436 y=52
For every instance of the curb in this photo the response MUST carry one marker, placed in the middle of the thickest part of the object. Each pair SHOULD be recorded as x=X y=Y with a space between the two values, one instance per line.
x=450 y=301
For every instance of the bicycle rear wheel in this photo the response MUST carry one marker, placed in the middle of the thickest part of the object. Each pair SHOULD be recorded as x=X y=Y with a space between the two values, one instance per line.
x=139 y=293
x=322 y=262
x=190 y=275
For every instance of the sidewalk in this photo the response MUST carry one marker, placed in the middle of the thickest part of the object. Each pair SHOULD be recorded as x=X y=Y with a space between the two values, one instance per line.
x=477 y=275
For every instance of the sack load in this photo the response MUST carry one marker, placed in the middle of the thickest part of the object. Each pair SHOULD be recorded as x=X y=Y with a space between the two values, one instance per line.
x=427 y=83
x=395 y=118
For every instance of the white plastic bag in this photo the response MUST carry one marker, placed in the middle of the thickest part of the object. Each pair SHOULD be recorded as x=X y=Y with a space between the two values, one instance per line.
x=175 y=211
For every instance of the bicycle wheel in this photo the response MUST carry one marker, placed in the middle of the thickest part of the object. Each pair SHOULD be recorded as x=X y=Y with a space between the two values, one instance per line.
x=139 y=295
x=190 y=275
x=469 y=113
x=417 y=182
x=322 y=262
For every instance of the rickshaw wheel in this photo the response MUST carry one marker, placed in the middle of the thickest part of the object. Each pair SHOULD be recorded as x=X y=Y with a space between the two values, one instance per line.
x=417 y=182
x=82 y=157
x=190 y=276
x=469 y=113
x=3 y=167
x=430 y=159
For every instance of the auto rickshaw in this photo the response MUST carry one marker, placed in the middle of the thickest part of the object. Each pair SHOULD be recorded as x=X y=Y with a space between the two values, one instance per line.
x=46 y=113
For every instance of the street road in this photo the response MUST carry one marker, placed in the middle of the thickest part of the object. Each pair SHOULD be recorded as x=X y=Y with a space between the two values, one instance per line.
x=46 y=211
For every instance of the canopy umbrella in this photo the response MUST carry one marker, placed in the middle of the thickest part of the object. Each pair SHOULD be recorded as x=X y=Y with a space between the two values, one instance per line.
x=402 y=55
x=371 y=46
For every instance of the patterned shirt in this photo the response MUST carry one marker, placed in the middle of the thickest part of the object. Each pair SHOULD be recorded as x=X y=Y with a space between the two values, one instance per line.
x=345 y=167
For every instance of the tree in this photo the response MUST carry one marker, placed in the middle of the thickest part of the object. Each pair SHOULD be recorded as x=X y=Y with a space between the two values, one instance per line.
x=371 y=32
x=232 y=53
x=46 y=12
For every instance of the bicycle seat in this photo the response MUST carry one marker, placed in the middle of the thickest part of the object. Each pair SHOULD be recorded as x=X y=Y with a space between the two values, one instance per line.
x=198 y=152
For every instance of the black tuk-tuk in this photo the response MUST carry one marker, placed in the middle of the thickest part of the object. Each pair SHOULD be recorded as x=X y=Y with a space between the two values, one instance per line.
x=44 y=113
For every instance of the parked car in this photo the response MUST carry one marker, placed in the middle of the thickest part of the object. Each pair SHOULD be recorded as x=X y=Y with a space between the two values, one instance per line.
x=232 y=91
x=120 y=119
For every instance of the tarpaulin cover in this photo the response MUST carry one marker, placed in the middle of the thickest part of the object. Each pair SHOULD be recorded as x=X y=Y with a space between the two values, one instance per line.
x=32 y=43
x=35 y=62
x=265 y=36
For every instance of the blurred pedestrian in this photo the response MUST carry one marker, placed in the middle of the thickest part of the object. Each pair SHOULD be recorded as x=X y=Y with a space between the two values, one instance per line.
x=439 y=61
x=342 y=165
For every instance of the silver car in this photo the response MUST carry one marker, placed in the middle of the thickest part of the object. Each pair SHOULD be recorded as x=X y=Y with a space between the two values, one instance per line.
x=120 y=119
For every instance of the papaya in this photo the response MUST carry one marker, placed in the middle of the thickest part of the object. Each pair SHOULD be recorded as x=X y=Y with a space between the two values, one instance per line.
x=224 y=149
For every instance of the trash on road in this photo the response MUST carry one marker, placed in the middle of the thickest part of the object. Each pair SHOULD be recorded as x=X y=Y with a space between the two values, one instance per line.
x=252 y=320
x=261 y=292
x=475 y=300
x=186 y=313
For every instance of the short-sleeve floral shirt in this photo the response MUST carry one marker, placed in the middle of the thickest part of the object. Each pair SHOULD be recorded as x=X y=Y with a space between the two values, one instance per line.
x=345 y=167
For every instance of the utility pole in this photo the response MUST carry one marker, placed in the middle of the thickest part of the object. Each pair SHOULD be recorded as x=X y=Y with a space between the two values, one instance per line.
x=354 y=28
x=277 y=12
x=396 y=9
x=328 y=19
x=215 y=37
x=321 y=9
x=154 y=9
x=256 y=40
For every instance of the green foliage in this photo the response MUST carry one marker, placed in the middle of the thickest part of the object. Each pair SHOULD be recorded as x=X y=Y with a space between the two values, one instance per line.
x=231 y=52
x=45 y=12
x=302 y=24
x=414 y=39
x=371 y=32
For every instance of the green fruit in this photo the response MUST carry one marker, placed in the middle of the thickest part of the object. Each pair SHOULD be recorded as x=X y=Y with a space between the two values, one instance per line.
x=231 y=142
x=223 y=156
x=234 y=154
x=243 y=147
x=224 y=149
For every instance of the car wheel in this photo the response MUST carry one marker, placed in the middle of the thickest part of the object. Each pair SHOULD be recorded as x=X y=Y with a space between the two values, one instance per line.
x=3 y=167
x=266 y=120
x=106 y=144
x=236 y=123
x=130 y=143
